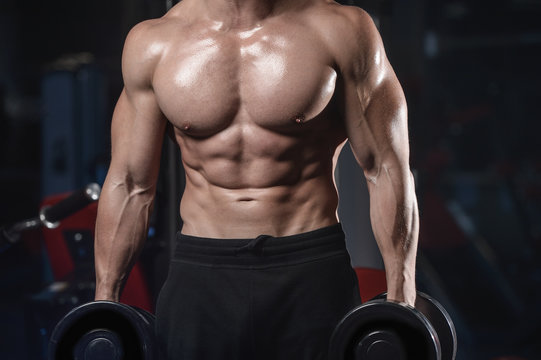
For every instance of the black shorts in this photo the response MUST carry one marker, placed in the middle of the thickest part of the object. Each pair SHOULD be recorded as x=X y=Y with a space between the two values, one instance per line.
x=268 y=298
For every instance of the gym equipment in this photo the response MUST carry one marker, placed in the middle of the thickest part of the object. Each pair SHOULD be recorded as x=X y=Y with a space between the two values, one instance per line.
x=372 y=282
x=49 y=216
x=384 y=330
x=104 y=330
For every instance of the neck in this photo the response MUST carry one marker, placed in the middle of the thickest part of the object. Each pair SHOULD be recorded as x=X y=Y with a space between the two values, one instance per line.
x=241 y=13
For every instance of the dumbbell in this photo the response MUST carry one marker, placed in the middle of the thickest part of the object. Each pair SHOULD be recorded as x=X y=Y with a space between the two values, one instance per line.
x=104 y=330
x=388 y=330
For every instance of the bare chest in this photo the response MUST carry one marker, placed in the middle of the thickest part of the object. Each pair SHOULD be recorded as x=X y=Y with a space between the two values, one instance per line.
x=271 y=78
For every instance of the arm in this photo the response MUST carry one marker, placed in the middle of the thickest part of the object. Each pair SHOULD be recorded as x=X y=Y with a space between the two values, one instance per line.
x=128 y=192
x=376 y=125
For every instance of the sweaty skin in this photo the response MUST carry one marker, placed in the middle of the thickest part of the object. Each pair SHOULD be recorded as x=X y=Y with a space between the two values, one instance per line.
x=260 y=96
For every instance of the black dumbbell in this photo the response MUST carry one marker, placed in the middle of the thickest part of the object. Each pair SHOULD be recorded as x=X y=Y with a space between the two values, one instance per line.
x=104 y=330
x=387 y=330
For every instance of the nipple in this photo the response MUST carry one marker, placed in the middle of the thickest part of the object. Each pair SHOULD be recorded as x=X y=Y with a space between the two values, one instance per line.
x=186 y=127
x=299 y=118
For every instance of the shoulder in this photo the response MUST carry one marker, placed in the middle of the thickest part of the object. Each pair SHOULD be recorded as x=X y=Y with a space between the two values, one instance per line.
x=349 y=23
x=147 y=39
x=145 y=44
x=148 y=32
x=350 y=33
x=143 y=32
x=142 y=50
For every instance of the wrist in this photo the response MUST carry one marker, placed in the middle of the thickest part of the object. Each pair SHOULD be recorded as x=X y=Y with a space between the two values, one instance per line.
x=106 y=293
x=402 y=289
x=105 y=297
x=407 y=296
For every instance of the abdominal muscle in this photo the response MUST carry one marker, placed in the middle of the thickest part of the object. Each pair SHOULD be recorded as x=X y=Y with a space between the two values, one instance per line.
x=241 y=193
x=246 y=213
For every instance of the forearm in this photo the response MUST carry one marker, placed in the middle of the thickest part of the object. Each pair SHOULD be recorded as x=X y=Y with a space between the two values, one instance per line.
x=395 y=221
x=121 y=229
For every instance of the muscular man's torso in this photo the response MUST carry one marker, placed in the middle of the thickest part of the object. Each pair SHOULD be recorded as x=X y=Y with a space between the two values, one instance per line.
x=256 y=113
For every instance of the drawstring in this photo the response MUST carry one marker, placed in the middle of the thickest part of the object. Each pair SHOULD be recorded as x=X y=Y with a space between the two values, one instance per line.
x=254 y=245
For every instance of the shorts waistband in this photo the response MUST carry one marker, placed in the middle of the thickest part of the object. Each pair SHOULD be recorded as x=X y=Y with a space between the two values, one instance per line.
x=263 y=250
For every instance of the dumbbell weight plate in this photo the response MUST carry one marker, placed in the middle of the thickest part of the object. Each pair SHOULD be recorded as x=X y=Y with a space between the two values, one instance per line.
x=381 y=344
x=417 y=338
x=99 y=344
x=440 y=320
x=104 y=329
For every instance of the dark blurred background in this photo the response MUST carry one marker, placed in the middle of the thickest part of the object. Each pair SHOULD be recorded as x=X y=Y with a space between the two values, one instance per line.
x=470 y=71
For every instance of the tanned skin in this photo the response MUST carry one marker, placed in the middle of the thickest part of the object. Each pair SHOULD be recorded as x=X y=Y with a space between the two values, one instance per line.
x=260 y=95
